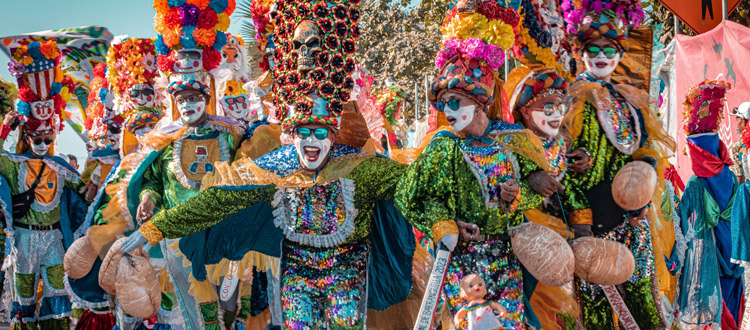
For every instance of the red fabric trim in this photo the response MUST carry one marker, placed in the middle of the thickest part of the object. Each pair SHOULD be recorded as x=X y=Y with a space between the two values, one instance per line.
x=96 y=321
x=4 y=131
x=704 y=163
x=671 y=175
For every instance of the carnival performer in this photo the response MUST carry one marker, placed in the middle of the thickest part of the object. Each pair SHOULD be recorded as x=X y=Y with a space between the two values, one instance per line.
x=189 y=50
x=90 y=302
x=539 y=102
x=329 y=190
x=738 y=150
x=711 y=288
x=104 y=126
x=468 y=182
x=40 y=200
x=610 y=125
x=139 y=106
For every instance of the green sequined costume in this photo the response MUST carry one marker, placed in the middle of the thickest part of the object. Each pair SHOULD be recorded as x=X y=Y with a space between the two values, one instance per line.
x=318 y=232
x=453 y=180
x=640 y=291
x=172 y=178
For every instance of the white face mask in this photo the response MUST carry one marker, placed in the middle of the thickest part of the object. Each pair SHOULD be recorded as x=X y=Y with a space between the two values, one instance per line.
x=42 y=110
x=311 y=151
x=188 y=60
x=460 y=118
x=145 y=98
x=600 y=66
x=236 y=107
x=39 y=149
x=548 y=125
x=191 y=112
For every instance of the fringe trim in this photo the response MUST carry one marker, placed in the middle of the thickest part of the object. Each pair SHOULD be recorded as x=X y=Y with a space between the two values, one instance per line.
x=85 y=304
x=177 y=155
x=285 y=220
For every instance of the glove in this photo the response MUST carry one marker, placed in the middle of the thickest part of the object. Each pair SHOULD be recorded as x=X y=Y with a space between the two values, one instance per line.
x=449 y=241
x=135 y=240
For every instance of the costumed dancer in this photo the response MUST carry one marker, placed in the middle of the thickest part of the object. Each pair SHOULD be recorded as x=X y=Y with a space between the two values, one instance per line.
x=610 y=125
x=139 y=106
x=324 y=198
x=104 y=126
x=711 y=284
x=90 y=303
x=189 y=45
x=539 y=102
x=469 y=180
x=738 y=150
x=390 y=103
x=8 y=94
x=40 y=200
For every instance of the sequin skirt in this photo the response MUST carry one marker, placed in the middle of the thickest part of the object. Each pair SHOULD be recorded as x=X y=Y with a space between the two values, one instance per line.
x=639 y=292
x=495 y=263
x=324 y=288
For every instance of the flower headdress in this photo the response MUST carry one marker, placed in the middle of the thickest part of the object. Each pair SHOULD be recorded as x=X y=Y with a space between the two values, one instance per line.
x=525 y=85
x=474 y=43
x=390 y=102
x=100 y=113
x=42 y=86
x=541 y=41
x=133 y=63
x=591 y=19
x=704 y=107
x=263 y=22
x=8 y=93
x=185 y=25
x=314 y=60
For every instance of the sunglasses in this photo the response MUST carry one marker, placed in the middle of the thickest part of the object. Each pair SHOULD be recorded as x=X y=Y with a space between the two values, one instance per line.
x=320 y=132
x=145 y=92
x=39 y=141
x=194 y=98
x=233 y=100
x=188 y=55
x=453 y=104
x=609 y=52
x=550 y=109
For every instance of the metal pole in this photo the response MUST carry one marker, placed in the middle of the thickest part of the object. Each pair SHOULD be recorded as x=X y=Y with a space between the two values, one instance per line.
x=677 y=27
x=724 y=13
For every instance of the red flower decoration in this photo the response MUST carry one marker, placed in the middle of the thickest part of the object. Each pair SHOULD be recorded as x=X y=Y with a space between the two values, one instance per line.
x=207 y=19
x=303 y=10
x=345 y=94
x=172 y=19
x=511 y=17
x=491 y=10
x=323 y=58
x=326 y=26
x=304 y=106
x=335 y=107
x=305 y=87
x=321 y=9
x=341 y=29
x=293 y=79
x=318 y=75
x=166 y=63
x=350 y=67
x=332 y=42
x=338 y=78
x=211 y=59
x=338 y=61
x=349 y=47
x=326 y=89
x=340 y=12
x=354 y=14
x=355 y=30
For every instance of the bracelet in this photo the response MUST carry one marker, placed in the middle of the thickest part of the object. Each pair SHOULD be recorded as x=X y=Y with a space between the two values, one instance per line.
x=591 y=159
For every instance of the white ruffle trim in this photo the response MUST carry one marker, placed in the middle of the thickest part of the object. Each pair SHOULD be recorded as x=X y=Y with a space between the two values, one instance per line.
x=78 y=300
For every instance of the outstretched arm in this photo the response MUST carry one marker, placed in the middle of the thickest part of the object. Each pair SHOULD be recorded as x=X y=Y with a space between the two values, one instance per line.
x=199 y=213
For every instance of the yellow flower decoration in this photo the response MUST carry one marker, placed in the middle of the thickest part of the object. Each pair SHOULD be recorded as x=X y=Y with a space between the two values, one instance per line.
x=223 y=22
x=462 y=26
x=161 y=6
x=465 y=26
x=495 y=32
x=540 y=54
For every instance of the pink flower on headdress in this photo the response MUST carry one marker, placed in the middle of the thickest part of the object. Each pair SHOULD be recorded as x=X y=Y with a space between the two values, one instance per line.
x=494 y=56
x=473 y=48
x=596 y=6
x=443 y=56
x=16 y=68
x=453 y=44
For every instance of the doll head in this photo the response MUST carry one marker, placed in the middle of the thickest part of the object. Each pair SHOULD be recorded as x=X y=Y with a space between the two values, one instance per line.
x=473 y=287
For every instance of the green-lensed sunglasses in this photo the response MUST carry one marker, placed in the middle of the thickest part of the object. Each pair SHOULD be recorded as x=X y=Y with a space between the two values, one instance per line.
x=453 y=104
x=320 y=132
x=609 y=52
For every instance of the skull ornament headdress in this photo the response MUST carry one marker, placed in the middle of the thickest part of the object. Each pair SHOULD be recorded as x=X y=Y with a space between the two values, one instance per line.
x=42 y=86
x=191 y=33
x=314 y=60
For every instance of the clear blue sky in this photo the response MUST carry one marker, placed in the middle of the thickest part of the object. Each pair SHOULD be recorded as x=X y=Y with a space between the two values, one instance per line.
x=132 y=17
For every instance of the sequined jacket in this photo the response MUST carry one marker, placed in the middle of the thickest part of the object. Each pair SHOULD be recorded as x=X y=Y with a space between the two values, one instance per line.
x=442 y=186
x=373 y=179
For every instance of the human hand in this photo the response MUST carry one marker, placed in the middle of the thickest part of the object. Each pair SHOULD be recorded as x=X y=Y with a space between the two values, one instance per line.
x=145 y=209
x=509 y=190
x=581 y=162
x=468 y=231
x=11 y=117
x=543 y=183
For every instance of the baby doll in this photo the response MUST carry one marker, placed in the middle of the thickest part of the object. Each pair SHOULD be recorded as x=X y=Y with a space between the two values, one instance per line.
x=477 y=310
